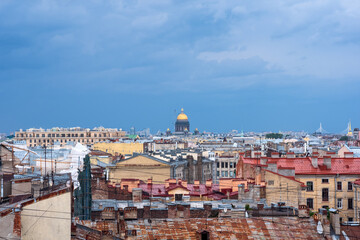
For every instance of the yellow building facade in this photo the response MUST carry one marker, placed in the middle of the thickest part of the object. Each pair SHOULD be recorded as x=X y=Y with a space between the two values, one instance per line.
x=333 y=191
x=118 y=148
x=280 y=188
x=142 y=167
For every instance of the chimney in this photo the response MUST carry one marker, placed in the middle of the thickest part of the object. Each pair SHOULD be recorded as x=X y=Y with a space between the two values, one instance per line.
x=327 y=161
x=331 y=154
x=348 y=155
x=304 y=211
x=149 y=182
x=172 y=208
x=209 y=183
x=257 y=175
x=147 y=212
x=207 y=208
x=241 y=192
x=137 y=195
x=196 y=183
x=314 y=161
x=290 y=155
x=335 y=221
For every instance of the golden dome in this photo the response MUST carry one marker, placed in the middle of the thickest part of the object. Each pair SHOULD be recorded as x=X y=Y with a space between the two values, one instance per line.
x=182 y=115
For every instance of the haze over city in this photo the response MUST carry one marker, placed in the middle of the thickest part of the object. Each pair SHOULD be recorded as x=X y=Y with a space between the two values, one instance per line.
x=252 y=66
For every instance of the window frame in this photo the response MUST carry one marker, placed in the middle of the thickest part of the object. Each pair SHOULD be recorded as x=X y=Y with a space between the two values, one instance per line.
x=309 y=186
x=311 y=200
x=350 y=206
x=323 y=194
x=338 y=186
x=339 y=200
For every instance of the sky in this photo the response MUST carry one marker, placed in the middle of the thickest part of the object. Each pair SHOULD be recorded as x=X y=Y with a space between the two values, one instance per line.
x=245 y=65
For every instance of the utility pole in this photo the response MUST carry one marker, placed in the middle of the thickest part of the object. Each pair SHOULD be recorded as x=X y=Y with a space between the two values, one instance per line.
x=45 y=161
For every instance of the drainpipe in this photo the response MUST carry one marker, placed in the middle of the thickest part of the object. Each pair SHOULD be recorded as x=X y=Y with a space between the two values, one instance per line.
x=356 y=204
x=336 y=176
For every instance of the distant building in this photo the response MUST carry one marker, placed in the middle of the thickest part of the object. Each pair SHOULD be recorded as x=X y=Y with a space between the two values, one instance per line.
x=140 y=166
x=45 y=137
x=121 y=148
x=182 y=124
x=192 y=170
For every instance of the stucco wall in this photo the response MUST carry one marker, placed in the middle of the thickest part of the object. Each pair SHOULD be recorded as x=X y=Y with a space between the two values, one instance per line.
x=47 y=219
x=120 y=148
x=283 y=190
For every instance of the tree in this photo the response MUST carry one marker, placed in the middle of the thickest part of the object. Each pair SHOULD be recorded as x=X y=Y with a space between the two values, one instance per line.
x=344 y=138
x=274 y=135
x=83 y=199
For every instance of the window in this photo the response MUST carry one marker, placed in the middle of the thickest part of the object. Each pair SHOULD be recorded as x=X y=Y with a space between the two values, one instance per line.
x=309 y=186
x=178 y=197
x=222 y=164
x=350 y=186
x=339 y=186
x=310 y=203
x=325 y=194
x=217 y=173
x=350 y=203
x=271 y=182
x=231 y=174
x=234 y=164
x=339 y=203
x=217 y=164
x=226 y=165
x=350 y=219
x=231 y=164
x=325 y=180
x=226 y=173
x=222 y=173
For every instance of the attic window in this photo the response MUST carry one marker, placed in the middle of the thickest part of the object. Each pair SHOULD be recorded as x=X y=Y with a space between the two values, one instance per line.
x=271 y=182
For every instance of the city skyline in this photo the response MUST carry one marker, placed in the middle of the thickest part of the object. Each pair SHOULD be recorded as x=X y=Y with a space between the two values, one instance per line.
x=230 y=65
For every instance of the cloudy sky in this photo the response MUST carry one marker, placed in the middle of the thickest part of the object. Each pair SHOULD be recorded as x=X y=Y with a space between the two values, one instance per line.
x=245 y=65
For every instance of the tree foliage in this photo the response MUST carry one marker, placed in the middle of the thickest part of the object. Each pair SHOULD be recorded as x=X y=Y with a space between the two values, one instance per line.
x=274 y=135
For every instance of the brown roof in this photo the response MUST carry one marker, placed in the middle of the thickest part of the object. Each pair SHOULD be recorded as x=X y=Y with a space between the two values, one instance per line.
x=226 y=228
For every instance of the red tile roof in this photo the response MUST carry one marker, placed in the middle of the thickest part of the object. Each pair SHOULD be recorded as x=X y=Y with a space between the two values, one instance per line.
x=226 y=228
x=303 y=166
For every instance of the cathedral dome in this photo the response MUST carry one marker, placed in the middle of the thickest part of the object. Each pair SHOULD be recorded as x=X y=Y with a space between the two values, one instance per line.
x=182 y=115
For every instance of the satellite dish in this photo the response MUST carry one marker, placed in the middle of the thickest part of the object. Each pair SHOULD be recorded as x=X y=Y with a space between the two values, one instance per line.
x=319 y=228
x=225 y=210
x=246 y=214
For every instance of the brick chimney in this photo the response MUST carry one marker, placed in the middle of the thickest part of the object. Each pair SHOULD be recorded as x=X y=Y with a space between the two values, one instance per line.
x=207 y=209
x=327 y=162
x=172 y=208
x=314 y=161
x=257 y=175
x=348 y=154
x=208 y=183
x=241 y=192
x=147 y=212
x=196 y=183
x=290 y=155
x=137 y=195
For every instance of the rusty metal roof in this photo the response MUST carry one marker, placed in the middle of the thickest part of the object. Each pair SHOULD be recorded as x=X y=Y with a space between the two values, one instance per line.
x=225 y=228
